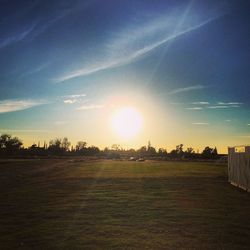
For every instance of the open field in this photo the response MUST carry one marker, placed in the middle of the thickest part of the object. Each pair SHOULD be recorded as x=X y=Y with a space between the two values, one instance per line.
x=63 y=204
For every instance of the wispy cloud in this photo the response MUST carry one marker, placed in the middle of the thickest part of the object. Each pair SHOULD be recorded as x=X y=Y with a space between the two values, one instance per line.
x=91 y=106
x=218 y=107
x=16 y=36
x=71 y=99
x=36 y=69
x=17 y=105
x=186 y=89
x=200 y=123
x=229 y=103
x=195 y=108
x=20 y=29
x=228 y=120
x=141 y=38
x=248 y=124
x=75 y=96
x=200 y=103
x=223 y=106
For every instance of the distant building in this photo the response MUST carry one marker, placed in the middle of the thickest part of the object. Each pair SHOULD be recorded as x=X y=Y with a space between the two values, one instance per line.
x=239 y=166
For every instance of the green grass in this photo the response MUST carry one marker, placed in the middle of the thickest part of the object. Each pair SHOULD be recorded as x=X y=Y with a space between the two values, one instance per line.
x=62 y=204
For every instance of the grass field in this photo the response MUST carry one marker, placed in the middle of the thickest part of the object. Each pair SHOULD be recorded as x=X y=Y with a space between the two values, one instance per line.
x=63 y=204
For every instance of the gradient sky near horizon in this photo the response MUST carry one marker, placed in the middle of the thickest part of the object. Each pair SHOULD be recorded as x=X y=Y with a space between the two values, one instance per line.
x=67 y=66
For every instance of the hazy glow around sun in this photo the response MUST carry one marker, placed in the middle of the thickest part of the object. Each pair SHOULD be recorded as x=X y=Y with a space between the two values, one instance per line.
x=127 y=122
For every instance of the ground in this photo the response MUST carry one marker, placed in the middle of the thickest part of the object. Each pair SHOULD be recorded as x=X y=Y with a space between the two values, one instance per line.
x=105 y=204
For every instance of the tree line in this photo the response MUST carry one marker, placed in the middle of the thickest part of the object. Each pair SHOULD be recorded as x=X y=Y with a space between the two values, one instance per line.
x=13 y=147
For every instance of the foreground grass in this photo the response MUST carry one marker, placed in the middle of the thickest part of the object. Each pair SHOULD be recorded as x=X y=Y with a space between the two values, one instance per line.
x=62 y=204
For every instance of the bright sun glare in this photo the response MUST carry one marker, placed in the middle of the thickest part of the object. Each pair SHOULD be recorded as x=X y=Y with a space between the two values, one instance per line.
x=127 y=122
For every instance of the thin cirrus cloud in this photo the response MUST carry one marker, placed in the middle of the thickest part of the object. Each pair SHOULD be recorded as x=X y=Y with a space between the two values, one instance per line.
x=218 y=105
x=71 y=99
x=28 y=30
x=139 y=39
x=200 y=103
x=90 y=106
x=223 y=106
x=229 y=103
x=186 y=89
x=200 y=123
x=38 y=69
x=16 y=36
x=195 y=108
x=11 y=105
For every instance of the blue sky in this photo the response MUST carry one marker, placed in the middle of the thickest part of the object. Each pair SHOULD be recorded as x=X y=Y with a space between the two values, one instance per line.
x=66 y=65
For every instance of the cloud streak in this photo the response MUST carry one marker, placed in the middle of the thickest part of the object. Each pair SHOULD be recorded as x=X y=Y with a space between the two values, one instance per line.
x=200 y=123
x=7 y=106
x=91 y=106
x=186 y=89
x=200 y=103
x=20 y=28
x=195 y=108
x=16 y=36
x=135 y=42
x=218 y=105
x=229 y=103
x=71 y=99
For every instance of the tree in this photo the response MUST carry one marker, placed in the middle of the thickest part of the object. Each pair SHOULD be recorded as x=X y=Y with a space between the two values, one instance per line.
x=92 y=150
x=179 y=149
x=116 y=147
x=173 y=153
x=150 y=150
x=207 y=152
x=189 y=152
x=81 y=145
x=142 y=151
x=162 y=152
x=65 y=144
x=59 y=146
x=215 y=153
x=10 y=144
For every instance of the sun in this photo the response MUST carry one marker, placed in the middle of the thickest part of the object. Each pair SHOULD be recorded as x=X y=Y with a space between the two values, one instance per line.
x=127 y=122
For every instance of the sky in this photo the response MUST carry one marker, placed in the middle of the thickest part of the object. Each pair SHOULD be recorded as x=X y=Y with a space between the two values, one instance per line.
x=66 y=67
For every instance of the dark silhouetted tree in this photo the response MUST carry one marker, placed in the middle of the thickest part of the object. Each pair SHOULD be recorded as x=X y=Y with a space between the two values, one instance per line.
x=59 y=146
x=81 y=145
x=173 y=154
x=179 y=149
x=10 y=145
x=162 y=152
x=189 y=153
x=116 y=147
x=215 y=153
x=65 y=144
x=207 y=152
x=142 y=151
